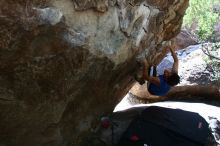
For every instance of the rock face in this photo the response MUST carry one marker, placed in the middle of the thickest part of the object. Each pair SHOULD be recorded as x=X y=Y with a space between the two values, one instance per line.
x=65 y=63
x=184 y=39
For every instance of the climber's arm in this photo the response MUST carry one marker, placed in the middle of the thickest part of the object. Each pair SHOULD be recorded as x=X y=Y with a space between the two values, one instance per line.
x=153 y=80
x=176 y=61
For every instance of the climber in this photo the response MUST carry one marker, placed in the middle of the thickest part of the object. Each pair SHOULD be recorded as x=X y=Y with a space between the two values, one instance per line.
x=160 y=85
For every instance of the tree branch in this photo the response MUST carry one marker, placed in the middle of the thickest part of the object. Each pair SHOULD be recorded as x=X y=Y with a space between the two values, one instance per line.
x=209 y=54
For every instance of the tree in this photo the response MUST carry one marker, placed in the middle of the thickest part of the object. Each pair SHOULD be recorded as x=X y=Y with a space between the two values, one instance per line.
x=202 y=14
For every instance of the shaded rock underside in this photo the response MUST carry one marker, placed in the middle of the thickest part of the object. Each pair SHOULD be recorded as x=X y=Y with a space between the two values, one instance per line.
x=65 y=63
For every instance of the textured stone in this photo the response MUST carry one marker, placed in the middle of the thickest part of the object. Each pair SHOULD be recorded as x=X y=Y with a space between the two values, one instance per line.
x=99 y=5
x=65 y=63
x=184 y=39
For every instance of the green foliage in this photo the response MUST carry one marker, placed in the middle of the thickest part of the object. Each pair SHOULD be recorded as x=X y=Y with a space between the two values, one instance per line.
x=213 y=60
x=202 y=14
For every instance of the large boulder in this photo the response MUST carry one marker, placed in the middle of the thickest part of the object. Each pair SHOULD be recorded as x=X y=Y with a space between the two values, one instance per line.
x=65 y=63
x=184 y=39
